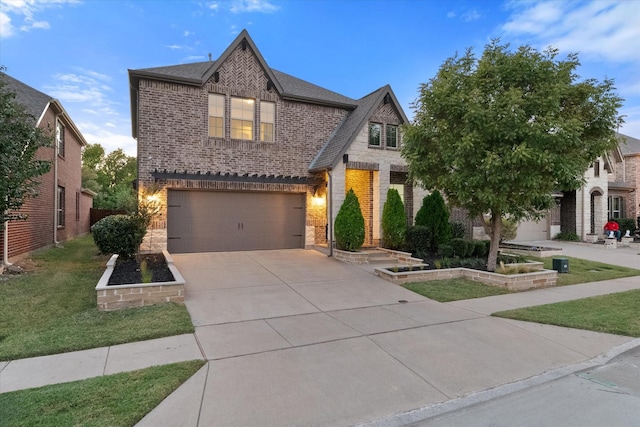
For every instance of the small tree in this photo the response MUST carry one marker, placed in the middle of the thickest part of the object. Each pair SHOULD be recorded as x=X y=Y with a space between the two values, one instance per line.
x=394 y=221
x=434 y=215
x=20 y=139
x=349 y=224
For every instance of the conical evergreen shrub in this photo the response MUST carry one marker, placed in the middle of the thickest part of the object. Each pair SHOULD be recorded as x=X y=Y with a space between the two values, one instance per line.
x=434 y=215
x=349 y=224
x=394 y=221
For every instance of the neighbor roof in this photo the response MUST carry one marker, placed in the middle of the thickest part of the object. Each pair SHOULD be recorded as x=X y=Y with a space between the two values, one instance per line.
x=36 y=103
x=628 y=145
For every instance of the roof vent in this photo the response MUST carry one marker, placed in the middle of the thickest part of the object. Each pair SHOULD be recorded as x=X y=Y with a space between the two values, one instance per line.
x=244 y=44
x=269 y=85
x=216 y=77
x=210 y=57
x=387 y=99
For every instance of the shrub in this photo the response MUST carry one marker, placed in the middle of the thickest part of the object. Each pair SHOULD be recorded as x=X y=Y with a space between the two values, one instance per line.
x=434 y=215
x=459 y=247
x=445 y=250
x=119 y=234
x=626 y=224
x=349 y=225
x=458 y=230
x=567 y=236
x=509 y=229
x=394 y=221
x=470 y=248
x=480 y=248
x=418 y=239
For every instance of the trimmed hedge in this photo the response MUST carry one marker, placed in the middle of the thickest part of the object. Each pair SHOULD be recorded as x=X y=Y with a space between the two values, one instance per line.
x=418 y=239
x=119 y=234
x=349 y=224
x=394 y=221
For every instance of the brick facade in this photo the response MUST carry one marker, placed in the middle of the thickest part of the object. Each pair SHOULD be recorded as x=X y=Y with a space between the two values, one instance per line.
x=172 y=132
x=39 y=230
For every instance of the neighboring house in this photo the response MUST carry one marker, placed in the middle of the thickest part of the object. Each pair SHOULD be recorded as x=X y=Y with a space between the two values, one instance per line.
x=610 y=191
x=247 y=157
x=60 y=211
x=624 y=179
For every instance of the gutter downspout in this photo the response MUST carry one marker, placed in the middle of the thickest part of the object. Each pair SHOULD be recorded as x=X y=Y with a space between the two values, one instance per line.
x=5 y=252
x=330 y=207
x=56 y=199
x=583 y=235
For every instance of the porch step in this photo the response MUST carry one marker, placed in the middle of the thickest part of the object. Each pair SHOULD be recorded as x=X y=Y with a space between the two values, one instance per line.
x=382 y=259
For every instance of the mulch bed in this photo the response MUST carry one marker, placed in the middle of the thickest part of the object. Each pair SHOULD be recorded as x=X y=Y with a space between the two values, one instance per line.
x=127 y=271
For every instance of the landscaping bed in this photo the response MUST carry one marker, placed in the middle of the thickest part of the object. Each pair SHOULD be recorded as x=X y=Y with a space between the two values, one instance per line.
x=114 y=296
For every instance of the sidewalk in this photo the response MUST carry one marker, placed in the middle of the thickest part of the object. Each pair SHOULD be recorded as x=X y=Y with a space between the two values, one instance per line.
x=347 y=351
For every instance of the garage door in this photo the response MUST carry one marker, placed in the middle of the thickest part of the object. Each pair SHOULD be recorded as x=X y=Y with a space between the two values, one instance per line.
x=214 y=221
x=532 y=230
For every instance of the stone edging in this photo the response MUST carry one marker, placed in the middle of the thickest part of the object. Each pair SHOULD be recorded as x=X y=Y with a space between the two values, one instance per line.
x=116 y=297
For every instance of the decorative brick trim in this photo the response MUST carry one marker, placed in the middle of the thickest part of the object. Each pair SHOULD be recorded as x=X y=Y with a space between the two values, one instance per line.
x=399 y=168
x=365 y=166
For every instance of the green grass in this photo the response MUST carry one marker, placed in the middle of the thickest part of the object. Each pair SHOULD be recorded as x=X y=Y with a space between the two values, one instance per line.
x=53 y=308
x=614 y=313
x=583 y=271
x=454 y=289
x=114 y=400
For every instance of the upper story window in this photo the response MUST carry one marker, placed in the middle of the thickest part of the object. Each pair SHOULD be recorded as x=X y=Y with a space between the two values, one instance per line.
x=216 y=115
x=596 y=169
x=60 y=208
x=242 y=118
x=267 y=119
x=60 y=138
x=392 y=136
x=374 y=134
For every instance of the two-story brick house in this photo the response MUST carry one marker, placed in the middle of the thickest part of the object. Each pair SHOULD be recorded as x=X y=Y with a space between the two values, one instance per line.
x=624 y=179
x=60 y=211
x=248 y=157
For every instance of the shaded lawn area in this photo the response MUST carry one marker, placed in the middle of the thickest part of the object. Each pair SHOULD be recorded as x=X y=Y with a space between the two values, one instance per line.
x=454 y=289
x=583 y=271
x=617 y=313
x=115 y=400
x=52 y=309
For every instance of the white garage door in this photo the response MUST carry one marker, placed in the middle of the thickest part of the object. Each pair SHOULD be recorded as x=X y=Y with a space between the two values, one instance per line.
x=214 y=221
x=532 y=230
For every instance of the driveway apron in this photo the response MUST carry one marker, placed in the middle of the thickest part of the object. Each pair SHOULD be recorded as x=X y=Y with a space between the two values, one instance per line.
x=296 y=338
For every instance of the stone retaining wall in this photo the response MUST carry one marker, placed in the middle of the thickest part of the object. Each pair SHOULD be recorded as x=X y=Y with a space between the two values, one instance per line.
x=512 y=282
x=116 y=297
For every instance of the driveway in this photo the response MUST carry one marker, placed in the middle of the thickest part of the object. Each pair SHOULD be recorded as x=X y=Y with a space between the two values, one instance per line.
x=297 y=338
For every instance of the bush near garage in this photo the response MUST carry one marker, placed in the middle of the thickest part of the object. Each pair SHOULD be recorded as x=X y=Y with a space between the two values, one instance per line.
x=119 y=234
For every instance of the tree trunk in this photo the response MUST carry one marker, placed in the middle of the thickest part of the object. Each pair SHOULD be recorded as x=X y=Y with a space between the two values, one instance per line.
x=496 y=228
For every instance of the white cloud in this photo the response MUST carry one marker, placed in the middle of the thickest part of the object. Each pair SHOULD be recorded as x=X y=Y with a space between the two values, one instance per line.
x=600 y=30
x=213 y=6
x=6 y=29
x=451 y=14
x=470 y=15
x=174 y=47
x=187 y=33
x=260 y=6
x=26 y=10
x=84 y=87
x=110 y=139
x=194 y=58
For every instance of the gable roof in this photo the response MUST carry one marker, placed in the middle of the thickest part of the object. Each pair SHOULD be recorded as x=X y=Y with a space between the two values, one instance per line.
x=341 y=139
x=628 y=145
x=289 y=88
x=36 y=103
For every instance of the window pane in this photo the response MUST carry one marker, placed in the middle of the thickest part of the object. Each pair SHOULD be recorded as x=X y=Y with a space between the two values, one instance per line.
x=242 y=118
x=374 y=134
x=392 y=136
x=216 y=115
x=267 y=119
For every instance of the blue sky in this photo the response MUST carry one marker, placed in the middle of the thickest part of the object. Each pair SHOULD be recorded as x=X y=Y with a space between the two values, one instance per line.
x=79 y=51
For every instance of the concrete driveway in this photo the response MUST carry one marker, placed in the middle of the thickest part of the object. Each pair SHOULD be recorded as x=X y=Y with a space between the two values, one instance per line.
x=297 y=338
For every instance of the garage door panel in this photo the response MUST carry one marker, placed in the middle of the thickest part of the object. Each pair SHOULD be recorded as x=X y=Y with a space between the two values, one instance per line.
x=199 y=221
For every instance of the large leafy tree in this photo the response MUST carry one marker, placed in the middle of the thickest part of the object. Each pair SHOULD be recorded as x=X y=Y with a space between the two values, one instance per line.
x=20 y=168
x=498 y=134
x=110 y=176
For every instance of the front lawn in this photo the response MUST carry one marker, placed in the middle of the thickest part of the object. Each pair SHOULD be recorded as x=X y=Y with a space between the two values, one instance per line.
x=454 y=289
x=52 y=309
x=583 y=271
x=115 y=400
x=614 y=313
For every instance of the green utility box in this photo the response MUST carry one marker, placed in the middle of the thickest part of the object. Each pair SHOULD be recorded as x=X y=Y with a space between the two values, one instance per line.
x=561 y=265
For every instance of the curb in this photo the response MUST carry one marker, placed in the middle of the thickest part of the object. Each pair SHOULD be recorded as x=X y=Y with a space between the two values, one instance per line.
x=431 y=411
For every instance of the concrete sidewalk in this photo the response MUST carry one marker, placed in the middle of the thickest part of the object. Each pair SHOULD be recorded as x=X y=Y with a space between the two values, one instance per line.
x=296 y=338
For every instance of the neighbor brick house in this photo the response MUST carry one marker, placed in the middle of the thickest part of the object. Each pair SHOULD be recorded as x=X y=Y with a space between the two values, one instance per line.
x=248 y=157
x=624 y=179
x=60 y=211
